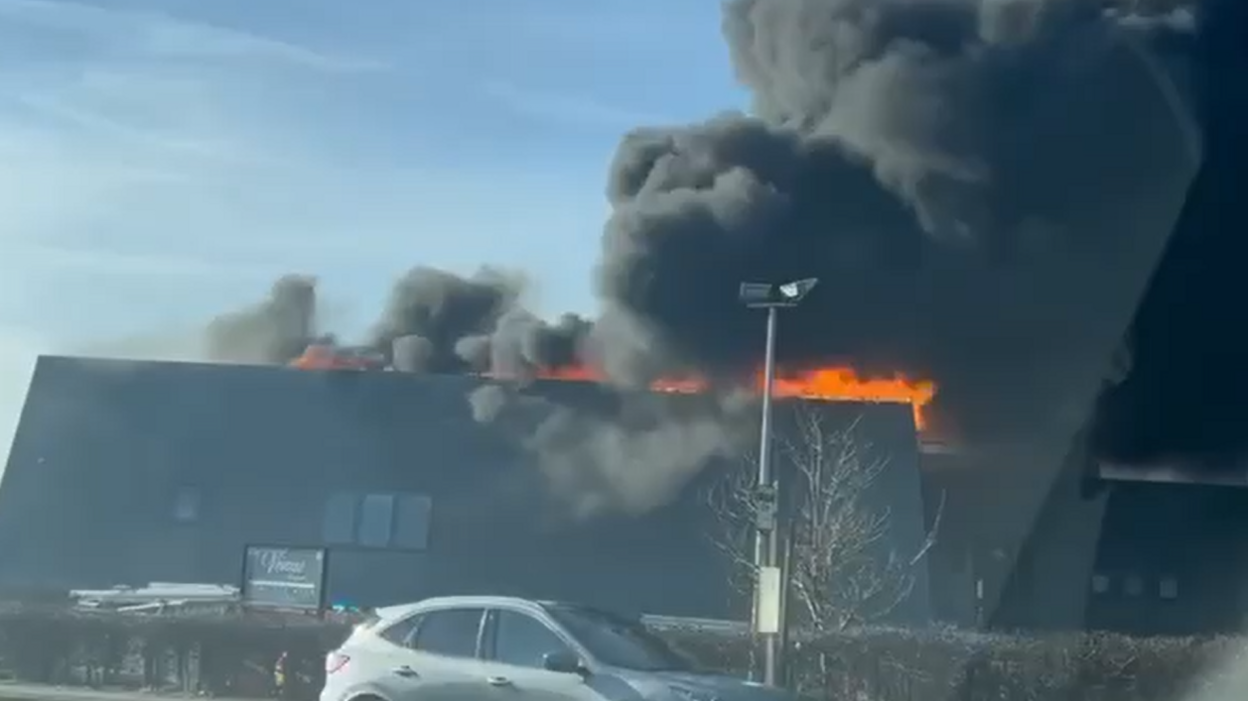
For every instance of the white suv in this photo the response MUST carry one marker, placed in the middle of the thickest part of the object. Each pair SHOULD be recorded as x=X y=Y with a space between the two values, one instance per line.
x=485 y=648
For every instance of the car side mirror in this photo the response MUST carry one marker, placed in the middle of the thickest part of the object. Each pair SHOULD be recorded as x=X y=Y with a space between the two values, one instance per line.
x=564 y=662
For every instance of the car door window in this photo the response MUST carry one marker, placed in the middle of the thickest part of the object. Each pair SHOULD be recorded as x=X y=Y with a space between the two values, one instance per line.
x=521 y=640
x=400 y=632
x=449 y=632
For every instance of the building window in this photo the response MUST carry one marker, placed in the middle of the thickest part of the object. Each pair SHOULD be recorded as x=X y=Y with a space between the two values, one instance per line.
x=186 y=505
x=1100 y=584
x=339 y=526
x=411 y=523
x=1168 y=588
x=1133 y=585
x=378 y=520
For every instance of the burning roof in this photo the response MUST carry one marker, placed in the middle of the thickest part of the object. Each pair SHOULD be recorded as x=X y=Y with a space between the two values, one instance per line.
x=330 y=356
x=825 y=383
x=592 y=449
x=830 y=383
x=107 y=449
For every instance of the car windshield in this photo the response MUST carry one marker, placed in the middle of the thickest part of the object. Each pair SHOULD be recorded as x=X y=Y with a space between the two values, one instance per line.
x=618 y=641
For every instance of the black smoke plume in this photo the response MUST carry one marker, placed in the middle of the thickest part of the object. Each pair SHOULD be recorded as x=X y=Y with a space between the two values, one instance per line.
x=434 y=321
x=1186 y=398
x=983 y=188
x=274 y=330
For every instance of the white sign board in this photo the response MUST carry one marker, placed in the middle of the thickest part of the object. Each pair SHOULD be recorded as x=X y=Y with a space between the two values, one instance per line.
x=767 y=610
x=287 y=578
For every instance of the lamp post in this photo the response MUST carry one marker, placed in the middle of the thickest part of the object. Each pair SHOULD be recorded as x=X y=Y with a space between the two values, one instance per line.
x=757 y=295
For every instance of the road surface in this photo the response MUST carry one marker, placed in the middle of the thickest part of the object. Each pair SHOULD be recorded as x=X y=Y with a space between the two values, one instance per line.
x=43 y=692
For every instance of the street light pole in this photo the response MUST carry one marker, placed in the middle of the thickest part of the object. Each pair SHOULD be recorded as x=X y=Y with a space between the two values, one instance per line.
x=766 y=543
x=765 y=547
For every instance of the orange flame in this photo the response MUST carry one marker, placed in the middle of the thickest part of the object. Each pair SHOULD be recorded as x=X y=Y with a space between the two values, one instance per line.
x=579 y=373
x=319 y=356
x=844 y=384
x=834 y=383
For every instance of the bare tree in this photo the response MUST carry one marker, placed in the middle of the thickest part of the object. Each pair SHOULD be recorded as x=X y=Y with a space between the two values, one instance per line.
x=843 y=570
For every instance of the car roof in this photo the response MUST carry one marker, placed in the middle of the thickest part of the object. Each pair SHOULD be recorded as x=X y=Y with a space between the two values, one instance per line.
x=443 y=602
x=398 y=611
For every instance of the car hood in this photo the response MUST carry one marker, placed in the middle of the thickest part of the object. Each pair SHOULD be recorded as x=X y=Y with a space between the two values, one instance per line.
x=691 y=686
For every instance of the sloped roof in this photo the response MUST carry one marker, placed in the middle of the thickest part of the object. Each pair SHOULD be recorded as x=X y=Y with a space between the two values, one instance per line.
x=120 y=415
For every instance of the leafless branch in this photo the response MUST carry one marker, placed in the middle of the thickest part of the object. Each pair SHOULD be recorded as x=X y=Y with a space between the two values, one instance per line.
x=844 y=572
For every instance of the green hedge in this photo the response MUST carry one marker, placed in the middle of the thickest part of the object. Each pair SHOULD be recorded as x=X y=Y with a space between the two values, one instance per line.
x=228 y=655
x=234 y=655
x=892 y=665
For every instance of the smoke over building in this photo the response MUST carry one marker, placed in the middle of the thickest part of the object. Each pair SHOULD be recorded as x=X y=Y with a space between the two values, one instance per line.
x=1185 y=396
x=983 y=188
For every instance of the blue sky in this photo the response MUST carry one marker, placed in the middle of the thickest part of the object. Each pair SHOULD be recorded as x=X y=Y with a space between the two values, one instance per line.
x=163 y=160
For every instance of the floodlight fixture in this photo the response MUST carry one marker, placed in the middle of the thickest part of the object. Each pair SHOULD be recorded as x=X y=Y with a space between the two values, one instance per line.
x=763 y=295
x=755 y=294
x=798 y=289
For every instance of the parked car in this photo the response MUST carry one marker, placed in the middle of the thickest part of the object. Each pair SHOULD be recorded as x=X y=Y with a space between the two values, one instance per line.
x=483 y=648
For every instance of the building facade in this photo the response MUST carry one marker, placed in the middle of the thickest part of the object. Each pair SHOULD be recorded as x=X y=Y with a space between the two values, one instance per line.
x=129 y=472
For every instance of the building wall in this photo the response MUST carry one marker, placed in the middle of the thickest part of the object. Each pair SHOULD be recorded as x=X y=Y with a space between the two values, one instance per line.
x=1138 y=557
x=127 y=472
x=1045 y=586
x=1171 y=560
x=998 y=554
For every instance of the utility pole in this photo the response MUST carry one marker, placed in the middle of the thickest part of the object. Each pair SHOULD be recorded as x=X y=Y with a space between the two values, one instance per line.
x=765 y=540
x=766 y=543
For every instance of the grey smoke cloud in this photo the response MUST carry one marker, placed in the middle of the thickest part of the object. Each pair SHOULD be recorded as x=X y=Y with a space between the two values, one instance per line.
x=629 y=454
x=274 y=330
x=411 y=353
x=487 y=402
x=476 y=323
x=982 y=186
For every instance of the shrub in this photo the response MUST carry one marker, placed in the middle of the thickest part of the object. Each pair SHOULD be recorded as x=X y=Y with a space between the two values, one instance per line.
x=234 y=655
x=901 y=665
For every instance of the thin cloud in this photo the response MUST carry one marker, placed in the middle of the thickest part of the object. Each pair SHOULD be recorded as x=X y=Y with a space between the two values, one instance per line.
x=174 y=39
x=567 y=108
x=140 y=114
x=64 y=110
x=103 y=166
x=618 y=26
x=97 y=260
x=161 y=36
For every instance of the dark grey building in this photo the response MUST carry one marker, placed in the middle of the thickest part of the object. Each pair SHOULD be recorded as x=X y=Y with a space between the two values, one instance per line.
x=1155 y=541
x=1121 y=551
x=129 y=472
